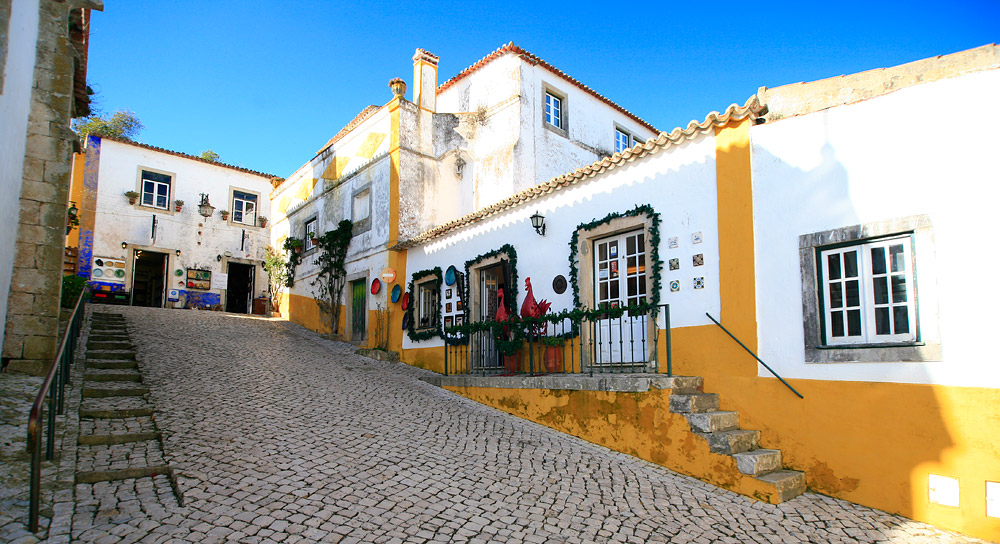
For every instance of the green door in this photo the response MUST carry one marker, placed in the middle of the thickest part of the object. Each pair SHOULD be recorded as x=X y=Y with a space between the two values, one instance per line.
x=358 y=310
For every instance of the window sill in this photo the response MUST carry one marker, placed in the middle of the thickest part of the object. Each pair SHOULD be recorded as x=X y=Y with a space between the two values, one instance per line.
x=874 y=353
x=873 y=346
x=552 y=128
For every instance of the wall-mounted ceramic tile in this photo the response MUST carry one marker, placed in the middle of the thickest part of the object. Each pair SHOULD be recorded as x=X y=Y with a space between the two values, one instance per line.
x=672 y=242
x=696 y=237
x=675 y=285
x=698 y=259
x=675 y=263
x=699 y=282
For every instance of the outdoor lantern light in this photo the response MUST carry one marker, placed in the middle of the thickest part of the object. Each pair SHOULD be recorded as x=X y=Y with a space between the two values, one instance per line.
x=218 y=258
x=204 y=208
x=72 y=211
x=538 y=221
x=178 y=253
x=124 y=245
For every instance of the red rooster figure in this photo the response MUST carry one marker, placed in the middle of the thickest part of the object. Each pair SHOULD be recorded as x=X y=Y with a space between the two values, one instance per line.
x=501 y=314
x=530 y=308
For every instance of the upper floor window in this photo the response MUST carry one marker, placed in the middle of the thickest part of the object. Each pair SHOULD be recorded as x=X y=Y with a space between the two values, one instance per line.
x=244 y=208
x=155 y=189
x=554 y=110
x=361 y=210
x=623 y=140
x=309 y=232
x=867 y=293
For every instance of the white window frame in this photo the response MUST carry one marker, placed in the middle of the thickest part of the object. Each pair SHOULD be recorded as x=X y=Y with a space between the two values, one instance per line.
x=836 y=285
x=554 y=111
x=629 y=142
x=307 y=243
x=428 y=301
x=241 y=209
x=156 y=184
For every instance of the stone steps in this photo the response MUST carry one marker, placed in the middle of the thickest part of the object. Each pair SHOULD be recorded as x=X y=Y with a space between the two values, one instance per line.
x=721 y=431
x=113 y=364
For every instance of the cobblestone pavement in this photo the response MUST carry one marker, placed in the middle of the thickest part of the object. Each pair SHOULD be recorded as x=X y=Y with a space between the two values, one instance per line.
x=277 y=435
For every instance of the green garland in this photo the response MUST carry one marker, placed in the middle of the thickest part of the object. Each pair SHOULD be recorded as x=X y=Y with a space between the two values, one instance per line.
x=435 y=330
x=654 y=243
x=509 y=288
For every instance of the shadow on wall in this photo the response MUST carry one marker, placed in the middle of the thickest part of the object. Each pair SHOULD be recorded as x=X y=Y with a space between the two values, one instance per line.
x=868 y=442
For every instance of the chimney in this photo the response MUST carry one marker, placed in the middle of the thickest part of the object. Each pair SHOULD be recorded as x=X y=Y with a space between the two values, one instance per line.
x=425 y=76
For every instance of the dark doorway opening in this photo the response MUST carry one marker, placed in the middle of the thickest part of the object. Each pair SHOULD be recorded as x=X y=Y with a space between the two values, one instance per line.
x=239 y=288
x=358 y=310
x=149 y=271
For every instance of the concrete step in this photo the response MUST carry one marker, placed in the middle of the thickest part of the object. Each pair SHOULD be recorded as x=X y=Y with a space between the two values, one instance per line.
x=694 y=403
x=710 y=422
x=730 y=442
x=129 y=390
x=758 y=462
x=122 y=413
x=108 y=439
x=111 y=345
x=105 y=355
x=112 y=377
x=788 y=483
x=678 y=385
x=97 y=336
x=113 y=364
x=94 y=476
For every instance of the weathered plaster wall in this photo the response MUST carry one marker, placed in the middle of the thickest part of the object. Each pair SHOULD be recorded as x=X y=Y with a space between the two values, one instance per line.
x=21 y=19
x=200 y=240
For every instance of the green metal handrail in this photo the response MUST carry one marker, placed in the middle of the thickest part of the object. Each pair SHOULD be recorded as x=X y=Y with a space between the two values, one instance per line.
x=754 y=355
x=57 y=375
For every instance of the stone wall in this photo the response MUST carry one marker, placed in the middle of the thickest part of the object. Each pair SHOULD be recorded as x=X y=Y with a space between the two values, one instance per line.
x=31 y=333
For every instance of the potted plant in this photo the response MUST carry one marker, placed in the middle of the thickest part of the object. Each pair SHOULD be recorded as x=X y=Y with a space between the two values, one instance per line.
x=553 y=353
x=312 y=236
x=262 y=220
x=132 y=196
x=224 y=214
x=178 y=204
x=293 y=244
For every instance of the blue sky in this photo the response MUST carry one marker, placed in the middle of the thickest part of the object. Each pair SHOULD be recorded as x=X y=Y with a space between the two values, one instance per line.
x=265 y=84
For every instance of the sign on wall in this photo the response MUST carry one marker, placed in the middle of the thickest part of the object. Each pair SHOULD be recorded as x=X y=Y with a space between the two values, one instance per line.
x=199 y=279
x=108 y=270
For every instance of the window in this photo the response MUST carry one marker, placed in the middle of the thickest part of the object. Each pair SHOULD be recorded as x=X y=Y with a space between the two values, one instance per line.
x=244 y=208
x=554 y=110
x=310 y=230
x=428 y=296
x=361 y=210
x=624 y=140
x=867 y=293
x=155 y=189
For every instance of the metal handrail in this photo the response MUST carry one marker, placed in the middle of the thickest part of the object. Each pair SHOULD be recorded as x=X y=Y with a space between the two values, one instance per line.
x=58 y=375
x=769 y=369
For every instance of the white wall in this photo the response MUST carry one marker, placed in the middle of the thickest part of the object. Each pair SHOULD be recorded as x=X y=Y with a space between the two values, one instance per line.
x=679 y=183
x=15 y=104
x=200 y=240
x=929 y=149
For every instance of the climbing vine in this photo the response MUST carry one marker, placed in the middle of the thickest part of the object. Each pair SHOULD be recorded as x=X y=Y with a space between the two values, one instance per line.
x=329 y=282
x=435 y=329
x=294 y=258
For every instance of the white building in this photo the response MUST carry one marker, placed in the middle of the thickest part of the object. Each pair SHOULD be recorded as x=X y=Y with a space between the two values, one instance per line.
x=152 y=252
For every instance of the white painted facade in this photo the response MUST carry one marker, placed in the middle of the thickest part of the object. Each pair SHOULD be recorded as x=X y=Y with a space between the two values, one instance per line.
x=680 y=185
x=203 y=243
x=15 y=105
x=926 y=150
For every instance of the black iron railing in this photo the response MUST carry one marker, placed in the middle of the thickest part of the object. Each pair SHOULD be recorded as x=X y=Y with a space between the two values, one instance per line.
x=754 y=355
x=53 y=387
x=606 y=340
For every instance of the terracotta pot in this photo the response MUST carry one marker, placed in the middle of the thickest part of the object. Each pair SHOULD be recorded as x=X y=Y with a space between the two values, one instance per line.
x=178 y=208
x=512 y=362
x=553 y=359
x=131 y=201
x=298 y=249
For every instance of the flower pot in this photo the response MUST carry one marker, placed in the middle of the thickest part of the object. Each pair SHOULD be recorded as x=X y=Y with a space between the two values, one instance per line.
x=315 y=241
x=263 y=224
x=298 y=249
x=225 y=217
x=177 y=208
x=512 y=363
x=553 y=359
x=131 y=201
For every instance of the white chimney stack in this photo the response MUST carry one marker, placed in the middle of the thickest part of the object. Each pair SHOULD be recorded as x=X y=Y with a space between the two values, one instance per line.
x=425 y=75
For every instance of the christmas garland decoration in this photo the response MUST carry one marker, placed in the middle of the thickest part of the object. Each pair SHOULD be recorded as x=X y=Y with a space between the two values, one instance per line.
x=654 y=244
x=435 y=329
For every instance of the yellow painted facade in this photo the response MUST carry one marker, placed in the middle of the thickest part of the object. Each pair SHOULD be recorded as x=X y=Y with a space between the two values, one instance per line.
x=76 y=195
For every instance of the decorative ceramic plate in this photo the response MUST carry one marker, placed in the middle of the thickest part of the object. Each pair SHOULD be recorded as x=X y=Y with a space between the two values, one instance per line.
x=406 y=321
x=98 y=272
x=109 y=272
x=406 y=300
x=396 y=292
x=376 y=286
x=450 y=275
x=99 y=262
x=119 y=273
x=559 y=284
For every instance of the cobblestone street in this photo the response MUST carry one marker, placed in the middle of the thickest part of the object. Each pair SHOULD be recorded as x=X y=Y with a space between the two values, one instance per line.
x=275 y=434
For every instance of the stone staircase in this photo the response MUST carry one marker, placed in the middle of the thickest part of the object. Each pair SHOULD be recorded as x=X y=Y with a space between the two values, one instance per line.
x=722 y=432
x=120 y=456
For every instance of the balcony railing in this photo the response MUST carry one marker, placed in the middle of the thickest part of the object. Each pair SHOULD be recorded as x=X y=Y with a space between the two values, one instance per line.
x=582 y=340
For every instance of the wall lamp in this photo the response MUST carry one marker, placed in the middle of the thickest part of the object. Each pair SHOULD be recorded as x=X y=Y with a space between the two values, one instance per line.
x=178 y=253
x=538 y=221
x=124 y=245
x=204 y=208
x=218 y=258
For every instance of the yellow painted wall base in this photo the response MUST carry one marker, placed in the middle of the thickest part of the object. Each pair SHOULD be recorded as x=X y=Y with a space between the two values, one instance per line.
x=869 y=443
x=639 y=424
x=304 y=311
x=428 y=358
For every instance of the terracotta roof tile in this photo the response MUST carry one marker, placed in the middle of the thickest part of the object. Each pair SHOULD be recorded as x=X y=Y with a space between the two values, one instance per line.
x=665 y=140
x=272 y=177
x=358 y=119
x=535 y=60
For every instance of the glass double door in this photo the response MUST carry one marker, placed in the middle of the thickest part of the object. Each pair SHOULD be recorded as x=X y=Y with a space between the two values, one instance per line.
x=620 y=280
